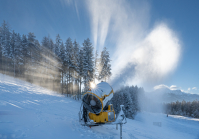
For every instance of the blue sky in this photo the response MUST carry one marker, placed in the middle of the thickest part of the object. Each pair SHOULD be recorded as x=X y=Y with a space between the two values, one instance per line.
x=150 y=42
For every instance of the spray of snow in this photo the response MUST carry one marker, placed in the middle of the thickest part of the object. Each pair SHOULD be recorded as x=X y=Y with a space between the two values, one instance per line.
x=141 y=55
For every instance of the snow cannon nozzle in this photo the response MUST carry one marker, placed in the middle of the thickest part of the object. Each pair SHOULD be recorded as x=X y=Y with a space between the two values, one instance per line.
x=96 y=99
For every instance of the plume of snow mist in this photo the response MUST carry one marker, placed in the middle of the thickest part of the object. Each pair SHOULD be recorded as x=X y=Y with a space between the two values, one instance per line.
x=140 y=54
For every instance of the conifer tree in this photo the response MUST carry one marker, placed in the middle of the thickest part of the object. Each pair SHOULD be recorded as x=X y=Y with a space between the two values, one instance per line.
x=13 y=49
x=18 y=54
x=5 y=45
x=57 y=45
x=24 y=50
x=5 y=40
x=76 y=57
x=81 y=74
x=88 y=63
x=69 y=63
x=105 y=66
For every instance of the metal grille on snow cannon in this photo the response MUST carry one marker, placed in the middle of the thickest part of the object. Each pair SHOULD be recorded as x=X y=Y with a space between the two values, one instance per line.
x=92 y=103
x=96 y=99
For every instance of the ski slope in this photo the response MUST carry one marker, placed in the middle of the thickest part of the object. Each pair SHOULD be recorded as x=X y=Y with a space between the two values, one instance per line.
x=31 y=112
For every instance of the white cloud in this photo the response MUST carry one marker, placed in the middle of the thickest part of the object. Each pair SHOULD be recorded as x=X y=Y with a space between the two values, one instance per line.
x=142 y=55
x=160 y=86
x=194 y=88
x=172 y=87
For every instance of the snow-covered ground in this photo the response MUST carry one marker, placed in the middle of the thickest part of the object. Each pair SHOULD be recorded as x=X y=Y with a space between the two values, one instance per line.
x=29 y=111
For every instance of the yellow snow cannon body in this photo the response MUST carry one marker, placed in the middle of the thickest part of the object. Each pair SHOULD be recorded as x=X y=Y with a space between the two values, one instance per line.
x=95 y=101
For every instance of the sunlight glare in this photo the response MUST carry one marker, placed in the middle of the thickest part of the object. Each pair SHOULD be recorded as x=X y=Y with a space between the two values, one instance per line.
x=92 y=85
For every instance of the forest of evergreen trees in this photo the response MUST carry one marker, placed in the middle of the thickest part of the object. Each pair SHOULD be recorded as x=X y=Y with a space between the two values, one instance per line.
x=62 y=66
x=189 y=109
x=127 y=96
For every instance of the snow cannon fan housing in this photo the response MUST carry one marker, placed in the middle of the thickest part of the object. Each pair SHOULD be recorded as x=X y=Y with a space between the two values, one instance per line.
x=96 y=102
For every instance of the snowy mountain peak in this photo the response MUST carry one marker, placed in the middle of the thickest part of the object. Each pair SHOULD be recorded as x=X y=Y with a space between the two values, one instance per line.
x=172 y=93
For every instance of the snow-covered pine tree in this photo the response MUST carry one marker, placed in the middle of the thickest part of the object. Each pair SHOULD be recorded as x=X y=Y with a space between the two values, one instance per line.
x=126 y=96
x=37 y=53
x=76 y=66
x=105 y=66
x=76 y=56
x=178 y=108
x=37 y=57
x=128 y=103
x=52 y=50
x=57 y=45
x=69 y=63
x=52 y=54
x=62 y=61
x=5 y=44
x=45 y=48
x=183 y=103
x=51 y=45
x=88 y=63
x=134 y=92
x=81 y=73
x=6 y=34
x=33 y=51
x=72 y=67
x=31 y=46
x=44 y=69
x=44 y=44
x=54 y=63
x=117 y=100
x=18 y=55
x=188 y=110
x=62 y=54
x=196 y=109
x=13 y=48
x=24 y=50
x=193 y=108
x=56 y=54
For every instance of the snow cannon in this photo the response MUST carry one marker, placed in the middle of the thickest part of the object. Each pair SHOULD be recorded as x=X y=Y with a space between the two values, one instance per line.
x=95 y=104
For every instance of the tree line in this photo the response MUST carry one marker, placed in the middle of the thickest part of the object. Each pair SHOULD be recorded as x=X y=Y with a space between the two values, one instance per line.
x=63 y=66
x=132 y=98
x=189 y=109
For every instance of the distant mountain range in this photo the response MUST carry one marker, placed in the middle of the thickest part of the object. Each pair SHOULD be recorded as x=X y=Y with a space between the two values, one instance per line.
x=167 y=95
